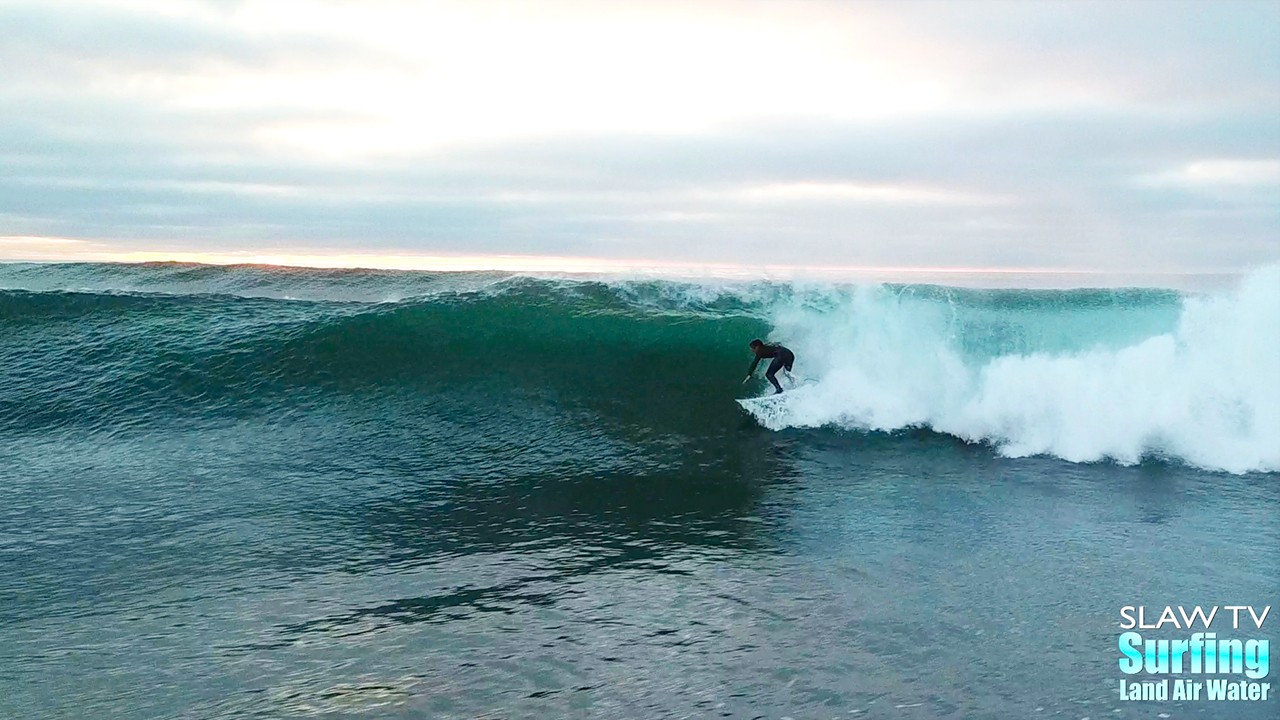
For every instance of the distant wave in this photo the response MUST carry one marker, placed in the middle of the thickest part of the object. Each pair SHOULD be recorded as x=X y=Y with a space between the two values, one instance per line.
x=1087 y=375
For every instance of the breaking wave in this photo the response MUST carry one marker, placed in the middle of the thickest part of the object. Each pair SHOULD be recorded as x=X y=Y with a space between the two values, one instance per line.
x=1084 y=376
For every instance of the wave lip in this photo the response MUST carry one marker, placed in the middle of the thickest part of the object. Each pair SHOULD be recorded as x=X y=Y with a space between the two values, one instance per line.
x=1204 y=391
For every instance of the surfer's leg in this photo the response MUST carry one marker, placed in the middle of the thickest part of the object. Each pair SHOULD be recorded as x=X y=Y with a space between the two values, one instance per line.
x=786 y=361
x=774 y=379
x=772 y=373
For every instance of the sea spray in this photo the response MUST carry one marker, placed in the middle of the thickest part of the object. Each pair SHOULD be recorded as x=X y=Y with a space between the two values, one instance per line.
x=1204 y=389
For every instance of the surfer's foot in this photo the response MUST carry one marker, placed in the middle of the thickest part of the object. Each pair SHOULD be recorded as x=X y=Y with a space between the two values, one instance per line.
x=778 y=391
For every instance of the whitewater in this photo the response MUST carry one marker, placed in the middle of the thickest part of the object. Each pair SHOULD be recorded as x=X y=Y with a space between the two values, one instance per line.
x=1085 y=376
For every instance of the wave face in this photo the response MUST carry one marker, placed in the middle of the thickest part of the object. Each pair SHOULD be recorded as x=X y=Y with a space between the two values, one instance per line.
x=1092 y=375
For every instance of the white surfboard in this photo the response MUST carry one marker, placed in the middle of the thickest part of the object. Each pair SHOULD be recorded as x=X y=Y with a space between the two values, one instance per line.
x=770 y=410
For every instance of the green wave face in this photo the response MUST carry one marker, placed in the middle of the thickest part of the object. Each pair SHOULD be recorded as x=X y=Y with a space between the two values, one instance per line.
x=98 y=359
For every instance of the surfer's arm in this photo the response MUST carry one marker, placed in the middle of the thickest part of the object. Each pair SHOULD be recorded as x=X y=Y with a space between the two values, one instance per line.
x=752 y=370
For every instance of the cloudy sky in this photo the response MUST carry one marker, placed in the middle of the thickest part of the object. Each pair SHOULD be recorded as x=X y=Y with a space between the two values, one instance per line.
x=1064 y=135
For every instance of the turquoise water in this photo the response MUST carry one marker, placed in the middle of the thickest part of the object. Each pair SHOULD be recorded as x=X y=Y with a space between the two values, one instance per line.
x=249 y=492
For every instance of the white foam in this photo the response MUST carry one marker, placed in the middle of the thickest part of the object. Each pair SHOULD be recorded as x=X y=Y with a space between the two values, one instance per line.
x=1206 y=393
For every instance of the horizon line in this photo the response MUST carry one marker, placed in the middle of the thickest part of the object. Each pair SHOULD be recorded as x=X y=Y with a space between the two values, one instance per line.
x=67 y=250
x=82 y=252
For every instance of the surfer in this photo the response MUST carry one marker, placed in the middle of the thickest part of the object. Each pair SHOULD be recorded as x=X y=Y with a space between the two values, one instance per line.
x=782 y=358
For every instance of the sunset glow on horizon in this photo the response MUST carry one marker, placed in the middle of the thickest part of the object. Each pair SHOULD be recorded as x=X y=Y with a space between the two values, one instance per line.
x=70 y=250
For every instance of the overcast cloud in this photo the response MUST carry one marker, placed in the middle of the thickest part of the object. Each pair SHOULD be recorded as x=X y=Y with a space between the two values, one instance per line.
x=1107 y=136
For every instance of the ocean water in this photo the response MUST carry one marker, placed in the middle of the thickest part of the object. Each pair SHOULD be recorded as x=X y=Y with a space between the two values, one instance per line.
x=249 y=492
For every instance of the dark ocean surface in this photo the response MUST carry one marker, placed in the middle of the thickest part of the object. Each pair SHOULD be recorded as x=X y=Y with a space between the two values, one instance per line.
x=249 y=492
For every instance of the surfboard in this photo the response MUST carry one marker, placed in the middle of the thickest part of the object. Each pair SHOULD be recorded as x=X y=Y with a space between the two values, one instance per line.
x=769 y=410
x=777 y=411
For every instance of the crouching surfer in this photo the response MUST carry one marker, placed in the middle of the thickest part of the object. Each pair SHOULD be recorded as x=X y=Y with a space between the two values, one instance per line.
x=782 y=358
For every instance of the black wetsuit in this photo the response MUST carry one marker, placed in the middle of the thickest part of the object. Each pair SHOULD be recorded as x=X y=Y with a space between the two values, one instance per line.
x=782 y=357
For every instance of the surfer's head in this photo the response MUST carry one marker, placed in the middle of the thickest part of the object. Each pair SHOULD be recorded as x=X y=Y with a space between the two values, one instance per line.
x=757 y=344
